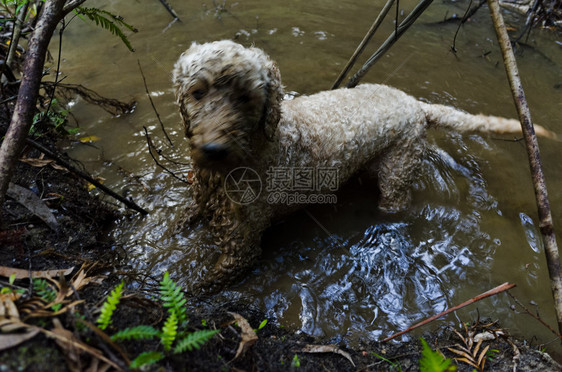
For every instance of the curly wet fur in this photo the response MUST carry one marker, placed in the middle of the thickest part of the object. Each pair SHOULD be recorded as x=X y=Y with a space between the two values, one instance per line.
x=231 y=103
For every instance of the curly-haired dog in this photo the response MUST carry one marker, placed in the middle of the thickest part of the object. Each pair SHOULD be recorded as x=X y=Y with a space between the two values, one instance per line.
x=231 y=103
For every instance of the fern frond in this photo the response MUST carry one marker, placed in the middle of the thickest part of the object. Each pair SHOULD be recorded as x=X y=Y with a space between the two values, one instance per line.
x=109 y=306
x=44 y=290
x=169 y=331
x=195 y=340
x=110 y=22
x=434 y=361
x=146 y=358
x=141 y=332
x=173 y=298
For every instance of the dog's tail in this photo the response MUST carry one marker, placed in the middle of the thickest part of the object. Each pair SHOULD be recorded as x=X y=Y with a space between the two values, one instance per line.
x=449 y=117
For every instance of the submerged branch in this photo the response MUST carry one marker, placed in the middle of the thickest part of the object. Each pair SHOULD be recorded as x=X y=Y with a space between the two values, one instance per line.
x=150 y=148
x=110 y=105
x=153 y=106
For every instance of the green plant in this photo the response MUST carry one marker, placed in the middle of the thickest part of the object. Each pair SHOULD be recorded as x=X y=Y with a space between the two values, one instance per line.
x=262 y=324
x=109 y=21
x=296 y=362
x=173 y=298
x=109 y=306
x=393 y=365
x=9 y=288
x=170 y=334
x=46 y=292
x=54 y=118
x=434 y=361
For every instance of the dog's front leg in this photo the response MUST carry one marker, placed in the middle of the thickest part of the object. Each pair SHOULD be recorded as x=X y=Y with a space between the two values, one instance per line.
x=240 y=248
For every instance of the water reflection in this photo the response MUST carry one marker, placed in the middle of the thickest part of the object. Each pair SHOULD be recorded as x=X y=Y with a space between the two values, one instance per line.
x=389 y=276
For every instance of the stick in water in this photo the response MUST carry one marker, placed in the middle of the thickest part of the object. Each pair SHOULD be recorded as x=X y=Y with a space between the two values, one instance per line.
x=501 y=288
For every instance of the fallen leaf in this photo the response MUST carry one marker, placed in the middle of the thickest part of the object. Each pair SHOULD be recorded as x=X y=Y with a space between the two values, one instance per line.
x=249 y=336
x=327 y=349
x=23 y=274
x=68 y=338
x=89 y=139
x=37 y=162
x=80 y=280
x=67 y=343
x=10 y=340
x=59 y=167
x=190 y=176
x=28 y=199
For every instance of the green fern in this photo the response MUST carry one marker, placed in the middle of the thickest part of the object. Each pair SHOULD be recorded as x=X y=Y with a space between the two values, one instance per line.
x=173 y=298
x=195 y=340
x=141 y=332
x=169 y=331
x=434 y=361
x=46 y=292
x=109 y=21
x=109 y=306
x=146 y=358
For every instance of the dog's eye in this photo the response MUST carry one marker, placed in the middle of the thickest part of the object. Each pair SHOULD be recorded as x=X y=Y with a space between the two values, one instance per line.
x=198 y=94
x=244 y=98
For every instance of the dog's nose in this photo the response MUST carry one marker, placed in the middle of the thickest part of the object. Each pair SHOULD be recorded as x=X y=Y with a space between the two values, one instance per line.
x=214 y=151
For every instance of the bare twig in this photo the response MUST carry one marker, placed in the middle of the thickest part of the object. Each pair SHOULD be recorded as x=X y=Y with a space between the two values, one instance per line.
x=541 y=194
x=110 y=105
x=170 y=10
x=406 y=23
x=534 y=316
x=150 y=147
x=464 y=18
x=501 y=288
x=153 y=106
x=363 y=43
x=85 y=176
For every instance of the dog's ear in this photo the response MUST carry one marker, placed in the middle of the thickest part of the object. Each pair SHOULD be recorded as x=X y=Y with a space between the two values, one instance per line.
x=184 y=115
x=274 y=96
x=179 y=81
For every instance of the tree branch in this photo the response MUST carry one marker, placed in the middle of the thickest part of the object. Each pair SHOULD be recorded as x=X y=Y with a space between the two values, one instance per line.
x=541 y=194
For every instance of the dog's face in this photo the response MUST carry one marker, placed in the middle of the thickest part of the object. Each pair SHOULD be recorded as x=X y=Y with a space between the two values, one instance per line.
x=225 y=95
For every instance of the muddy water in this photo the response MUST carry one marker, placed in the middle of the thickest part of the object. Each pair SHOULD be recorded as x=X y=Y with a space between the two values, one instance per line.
x=345 y=270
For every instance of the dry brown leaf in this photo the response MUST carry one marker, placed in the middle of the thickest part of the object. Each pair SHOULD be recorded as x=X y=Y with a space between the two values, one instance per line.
x=67 y=343
x=80 y=280
x=11 y=325
x=482 y=358
x=327 y=349
x=459 y=352
x=23 y=274
x=96 y=367
x=37 y=162
x=8 y=308
x=33 y=203
x=249 y=336
x=64 y=337
x=10 y=340
x=59 y=167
